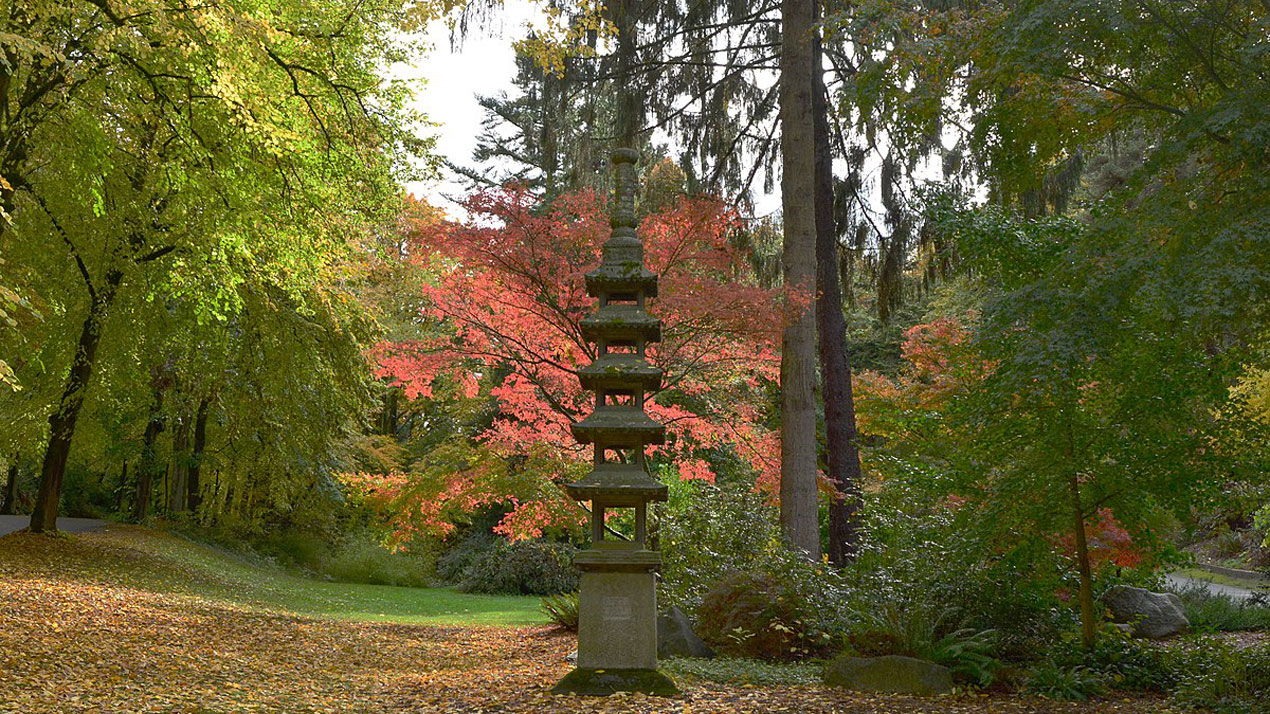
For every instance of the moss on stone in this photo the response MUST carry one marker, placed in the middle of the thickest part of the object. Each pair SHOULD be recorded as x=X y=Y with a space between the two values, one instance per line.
x=603 y=682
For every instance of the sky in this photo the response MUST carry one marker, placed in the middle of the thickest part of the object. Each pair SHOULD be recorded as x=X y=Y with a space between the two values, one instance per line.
x=484 y=64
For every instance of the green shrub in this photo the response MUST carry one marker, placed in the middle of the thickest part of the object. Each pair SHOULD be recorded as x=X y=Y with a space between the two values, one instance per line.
x=918 y=630
x=359 y=558
x=84 y=495
x=968 y=653
x=1225 y=679
x=706 y=532
x=463 y=554
x=562 y=610
x=759 y=616
x=928 y=566
x=523 y=568
x=1218 y=612
x=1056 y=681
x=295 y=548
x=710 y=534
x=1228 y=544
x=1123 y=661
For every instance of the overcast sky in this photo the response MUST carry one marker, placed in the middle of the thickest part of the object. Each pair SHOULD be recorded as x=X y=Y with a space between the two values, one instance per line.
x=484 y=64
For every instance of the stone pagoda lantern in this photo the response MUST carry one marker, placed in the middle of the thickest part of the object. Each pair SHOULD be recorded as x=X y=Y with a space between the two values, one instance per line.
x=617 y=601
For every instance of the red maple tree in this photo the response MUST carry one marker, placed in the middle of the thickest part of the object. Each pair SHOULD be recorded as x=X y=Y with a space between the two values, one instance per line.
x=504 y=309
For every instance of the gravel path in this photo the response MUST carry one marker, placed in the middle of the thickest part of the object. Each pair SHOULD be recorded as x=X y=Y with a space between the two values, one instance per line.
x=10 y=524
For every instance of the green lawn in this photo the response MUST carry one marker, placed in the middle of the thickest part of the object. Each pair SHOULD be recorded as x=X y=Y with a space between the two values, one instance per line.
x=167 y=563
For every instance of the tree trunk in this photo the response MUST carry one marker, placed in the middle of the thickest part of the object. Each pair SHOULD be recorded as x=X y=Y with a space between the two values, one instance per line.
x=148 y=467
x=121 y=489
x=630 y=118
x=1088 y=621
x=10 y=505
x=835 y=368
x=194 y=493
x=62 y=420
x=179 y=467
x=798 y=488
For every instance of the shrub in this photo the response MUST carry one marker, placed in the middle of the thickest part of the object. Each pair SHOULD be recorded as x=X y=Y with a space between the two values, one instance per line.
x=968 y=653
x=359 y=558
x=1122 y=660
x=1056 y=681
x=562 y=610
x=84 y=495
x=463 y=554
x=295 y=548
x=706 y=532
x=920 y=631
x=1225 y=679
x=1227 y=544
x=928 y=572
x=523 y=568
x=1218 y=612
x=759 y=616
x=709 y=534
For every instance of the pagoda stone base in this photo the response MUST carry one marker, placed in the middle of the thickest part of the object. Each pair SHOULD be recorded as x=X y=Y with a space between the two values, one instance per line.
x=603 y=682
x=617 y=621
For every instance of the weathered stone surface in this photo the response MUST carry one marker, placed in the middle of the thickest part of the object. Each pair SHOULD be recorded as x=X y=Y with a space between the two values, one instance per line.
x=676 y=638
x=603 y=682
x=891 y=674
x=617 y=599
x=1153 y=615
x=617 y=616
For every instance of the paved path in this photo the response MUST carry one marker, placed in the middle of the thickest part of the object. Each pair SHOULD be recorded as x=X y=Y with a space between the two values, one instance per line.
x=1180 y=581
x=9 y=524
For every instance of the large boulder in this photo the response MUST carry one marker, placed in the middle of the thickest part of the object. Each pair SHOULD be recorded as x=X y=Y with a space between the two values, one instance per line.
x=676 y=638
x=1152 y=615
x=891 y=674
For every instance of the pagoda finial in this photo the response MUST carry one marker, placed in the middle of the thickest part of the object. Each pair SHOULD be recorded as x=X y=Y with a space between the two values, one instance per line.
x=624 y=186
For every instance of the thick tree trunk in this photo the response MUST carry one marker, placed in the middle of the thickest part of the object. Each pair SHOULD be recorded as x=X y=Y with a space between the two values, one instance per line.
x=148 y=468
x=179 y=467
x=835 y=368
x=62 y=420
x=10 y=505
x=194 y=493
x=798 y=488
x=1088 y=619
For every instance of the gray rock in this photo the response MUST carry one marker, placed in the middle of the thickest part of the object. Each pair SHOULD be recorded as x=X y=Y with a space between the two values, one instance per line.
x=1153 y=615
x=572 y=657
x=675 y=637
x=891 y=674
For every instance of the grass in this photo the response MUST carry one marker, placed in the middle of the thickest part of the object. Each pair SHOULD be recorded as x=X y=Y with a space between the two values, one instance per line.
x=133 y=621
x=168 y=564
x=1220 y=579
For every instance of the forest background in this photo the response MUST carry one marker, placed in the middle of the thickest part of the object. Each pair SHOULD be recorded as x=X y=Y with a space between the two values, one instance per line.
x=1010 y=321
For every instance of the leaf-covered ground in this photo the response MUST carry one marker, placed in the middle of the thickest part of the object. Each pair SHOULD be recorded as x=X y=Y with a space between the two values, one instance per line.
x=108 y=622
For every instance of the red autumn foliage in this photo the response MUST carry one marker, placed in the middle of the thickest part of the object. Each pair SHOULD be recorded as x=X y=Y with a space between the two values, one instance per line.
x=1109 y=542
x=504 y=307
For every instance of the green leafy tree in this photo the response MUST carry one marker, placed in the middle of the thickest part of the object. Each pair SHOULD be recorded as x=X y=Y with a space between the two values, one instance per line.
x=226 y=143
